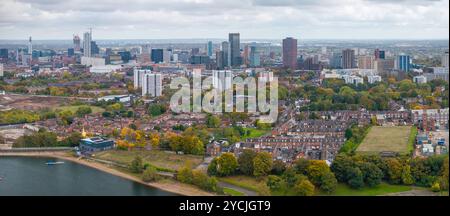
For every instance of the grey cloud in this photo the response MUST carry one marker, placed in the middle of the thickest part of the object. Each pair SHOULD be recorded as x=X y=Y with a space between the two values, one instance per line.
x=258 y=18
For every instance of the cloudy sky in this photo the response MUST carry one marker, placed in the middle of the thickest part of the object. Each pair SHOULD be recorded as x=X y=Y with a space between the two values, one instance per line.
x=271 y=19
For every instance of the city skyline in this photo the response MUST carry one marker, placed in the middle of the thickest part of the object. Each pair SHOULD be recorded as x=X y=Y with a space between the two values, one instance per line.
x=257 y=19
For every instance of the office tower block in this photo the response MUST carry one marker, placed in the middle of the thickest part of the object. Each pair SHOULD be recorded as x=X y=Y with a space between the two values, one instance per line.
x=290 y=53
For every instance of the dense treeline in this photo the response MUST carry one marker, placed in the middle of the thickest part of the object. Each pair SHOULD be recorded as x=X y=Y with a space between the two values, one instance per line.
x=65 y=117
x=306 y=177
x=45 y=138
x=18 y=116
x=334 y=94
x=198 y=178
x=359 y=171
x=21 y=86
x=302 y=178
x=354 y=135
x=190 y=141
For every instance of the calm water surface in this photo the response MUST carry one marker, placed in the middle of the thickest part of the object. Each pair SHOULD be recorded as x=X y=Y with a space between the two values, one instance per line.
x=30 y=176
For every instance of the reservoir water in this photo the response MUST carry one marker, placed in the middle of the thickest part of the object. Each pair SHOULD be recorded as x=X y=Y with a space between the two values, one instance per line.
x=30 y=176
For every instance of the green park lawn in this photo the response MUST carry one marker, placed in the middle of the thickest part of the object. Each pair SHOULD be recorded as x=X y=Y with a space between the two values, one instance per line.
x=254 y=132
x=386 y=139
x=74 y=109
x=165 y=161
x=247 y=182
x=253 y=184
x=382 y=189
x=232 y=192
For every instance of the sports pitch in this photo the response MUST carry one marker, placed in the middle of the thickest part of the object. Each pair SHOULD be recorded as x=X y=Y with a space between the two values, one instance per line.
x=386 y=139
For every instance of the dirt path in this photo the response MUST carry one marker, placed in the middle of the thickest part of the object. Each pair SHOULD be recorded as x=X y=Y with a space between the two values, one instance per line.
x=242 y=190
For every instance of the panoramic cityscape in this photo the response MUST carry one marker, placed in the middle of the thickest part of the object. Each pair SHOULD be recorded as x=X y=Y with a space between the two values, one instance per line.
x=256 y=101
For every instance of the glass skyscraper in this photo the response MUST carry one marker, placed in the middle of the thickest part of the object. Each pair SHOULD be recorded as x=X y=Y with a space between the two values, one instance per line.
x=235 y=49
x=209 y=48
x=157 y=55
x=403 y=62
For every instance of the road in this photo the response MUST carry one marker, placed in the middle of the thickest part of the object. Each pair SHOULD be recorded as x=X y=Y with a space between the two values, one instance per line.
x=242 y=190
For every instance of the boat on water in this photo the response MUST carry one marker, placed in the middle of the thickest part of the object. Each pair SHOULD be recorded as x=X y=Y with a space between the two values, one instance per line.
x=54 y=162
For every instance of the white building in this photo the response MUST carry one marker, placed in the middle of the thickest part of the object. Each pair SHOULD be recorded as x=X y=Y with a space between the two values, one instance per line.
x=420 y=79
x=1 y=70
x=351 y=79
x=44 y=59
x=440 y=116
x=222 y=79
x=438 y=73
x=104 y=68
x=350 y=71
x=91 y=61
x=118 y=98
x=26 y=59
x=87 y=38
x=175 y=58
x=166 y=56
x=373 y=79
x=152 y=85
x=138 y=76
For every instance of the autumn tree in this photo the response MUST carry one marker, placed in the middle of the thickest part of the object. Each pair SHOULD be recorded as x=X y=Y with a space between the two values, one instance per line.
x=274 y=182
x=185 y=174
x=66 y=117
x=150 y=174
x=304 y=188
x=316 y=169
x=154 y=140
x=372 y=175
x=444 y=175
x=355 y=178
x=406 y=176
x=245 y=161
x=262 y=164
x=225 y=165
x=137 y=165
x=328 y=182
x=300 y=165
x=394 y=170
x=278 y=167
x=212 y=121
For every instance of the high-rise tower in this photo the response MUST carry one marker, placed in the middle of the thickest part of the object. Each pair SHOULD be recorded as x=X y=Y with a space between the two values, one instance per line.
x=290 y=53
x=76 y=43
x=348 y=59
x=235 y=49
x=87 y=39
x=30 y=46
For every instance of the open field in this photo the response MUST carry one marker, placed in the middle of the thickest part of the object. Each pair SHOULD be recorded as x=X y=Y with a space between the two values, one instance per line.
x=253 y=184
x=254 y=132
x=160 y=159
x=246 y=182
x=13 y=133
x=74 y=109
x=382 y=189
x=389 y=139
x=30 y=102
